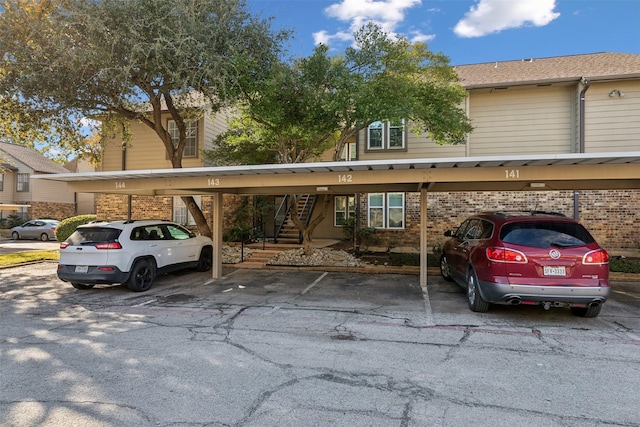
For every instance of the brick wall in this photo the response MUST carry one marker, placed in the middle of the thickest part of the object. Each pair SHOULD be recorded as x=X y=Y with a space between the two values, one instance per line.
x=111 y=206
x=51 y=210
x=611 y=216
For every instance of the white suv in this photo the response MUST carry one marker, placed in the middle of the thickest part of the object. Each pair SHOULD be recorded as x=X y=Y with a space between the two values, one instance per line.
x=131 y=252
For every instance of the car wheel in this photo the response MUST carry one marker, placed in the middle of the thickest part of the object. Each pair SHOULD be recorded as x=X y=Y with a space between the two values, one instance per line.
x=586 y=311
x=206 y=259
x=444 y=269
x=141 y=277
x=15 y=235
x=44 y=237
x=476 y=303
x=81 y=286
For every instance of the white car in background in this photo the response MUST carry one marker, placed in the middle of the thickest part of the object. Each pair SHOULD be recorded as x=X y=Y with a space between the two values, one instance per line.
x=131 y=252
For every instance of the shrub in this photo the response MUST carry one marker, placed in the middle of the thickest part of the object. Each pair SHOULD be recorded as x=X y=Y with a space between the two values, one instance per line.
x=624 y=265
x=68 y=226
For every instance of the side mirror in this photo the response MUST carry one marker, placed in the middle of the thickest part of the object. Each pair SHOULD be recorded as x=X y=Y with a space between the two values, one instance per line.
x=448 y=233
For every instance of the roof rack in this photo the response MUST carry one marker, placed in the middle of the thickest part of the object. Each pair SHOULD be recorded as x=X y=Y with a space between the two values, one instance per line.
x=131 y=221
x=505 y=213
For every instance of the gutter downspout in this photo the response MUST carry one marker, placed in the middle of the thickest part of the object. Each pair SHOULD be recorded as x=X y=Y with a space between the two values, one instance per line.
x=581 y=145
x=586 y=83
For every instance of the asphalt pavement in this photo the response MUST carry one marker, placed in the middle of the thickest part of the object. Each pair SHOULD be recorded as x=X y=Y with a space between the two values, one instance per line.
x=293 y=348
x=8 y=246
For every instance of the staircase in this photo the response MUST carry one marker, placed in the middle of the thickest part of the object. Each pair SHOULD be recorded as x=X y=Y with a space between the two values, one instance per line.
x=286 y=231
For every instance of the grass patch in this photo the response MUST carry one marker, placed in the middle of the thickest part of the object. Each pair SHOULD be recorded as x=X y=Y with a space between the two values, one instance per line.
x=22 y=257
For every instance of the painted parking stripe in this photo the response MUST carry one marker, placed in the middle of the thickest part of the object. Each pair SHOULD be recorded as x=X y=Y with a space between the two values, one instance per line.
x=314 y=283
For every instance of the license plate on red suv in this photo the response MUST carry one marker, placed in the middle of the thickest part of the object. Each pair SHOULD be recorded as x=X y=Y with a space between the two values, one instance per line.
x=555 y=271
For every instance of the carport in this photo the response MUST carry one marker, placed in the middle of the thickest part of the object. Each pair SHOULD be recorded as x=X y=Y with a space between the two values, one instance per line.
x=576 y=171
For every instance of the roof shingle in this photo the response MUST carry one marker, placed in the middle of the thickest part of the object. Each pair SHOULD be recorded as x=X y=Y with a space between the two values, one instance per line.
x=31 y=158
x=595 y=66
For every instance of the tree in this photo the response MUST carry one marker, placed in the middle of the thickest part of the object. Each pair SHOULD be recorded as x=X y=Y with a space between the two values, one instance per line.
x=321 y=102
x=127 y=60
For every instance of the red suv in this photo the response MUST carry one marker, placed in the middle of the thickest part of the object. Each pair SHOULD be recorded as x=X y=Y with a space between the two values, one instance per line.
x=527 y=258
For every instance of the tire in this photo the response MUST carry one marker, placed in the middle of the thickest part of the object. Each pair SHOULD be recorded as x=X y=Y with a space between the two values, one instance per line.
x=206 y=259
x=586 y=311
x=142 y=275
x=445 y=269
x=15 y=236
x=44 y=237
x=81 y=286
x=475 y=301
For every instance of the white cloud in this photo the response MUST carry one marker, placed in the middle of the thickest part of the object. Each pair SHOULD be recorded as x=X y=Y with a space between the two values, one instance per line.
x=386 y=13
x=322 y=37
x=493 y=16
x=418 y=37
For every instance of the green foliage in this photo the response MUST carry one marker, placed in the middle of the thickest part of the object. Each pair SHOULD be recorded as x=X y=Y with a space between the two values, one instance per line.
x=68 y=225
x=237 y=233
x=398 y=258
x=321 y=102
x=349 y=227
x=123 y=61
x=624 y=265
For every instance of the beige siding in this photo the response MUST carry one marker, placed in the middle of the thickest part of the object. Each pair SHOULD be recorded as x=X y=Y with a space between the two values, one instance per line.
x=146 y=151
x=612 y=123
x=417 y=147
x=214 y=126
x=8 y=188
x=23 y=196
x=51 y=191
x=522 y=121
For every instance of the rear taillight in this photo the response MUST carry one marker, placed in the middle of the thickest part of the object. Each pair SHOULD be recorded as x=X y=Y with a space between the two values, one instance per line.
x=109 y=245
x=599 y=256
x=63 y=245
x=53 y=229
x=500 y=254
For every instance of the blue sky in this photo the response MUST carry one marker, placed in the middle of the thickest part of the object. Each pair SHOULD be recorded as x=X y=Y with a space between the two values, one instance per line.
x=467 y=31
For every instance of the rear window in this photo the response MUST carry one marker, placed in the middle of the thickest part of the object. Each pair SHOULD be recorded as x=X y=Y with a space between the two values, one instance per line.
x=93 y=235
x=544 y=234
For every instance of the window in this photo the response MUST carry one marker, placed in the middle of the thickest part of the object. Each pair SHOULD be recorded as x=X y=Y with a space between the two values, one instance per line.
x=386 y=135
x=1 y=182
x=349 y=152
x=23 y=182
x=386 y=210
x=344 y=207
x=191 y=146
x=181 y=214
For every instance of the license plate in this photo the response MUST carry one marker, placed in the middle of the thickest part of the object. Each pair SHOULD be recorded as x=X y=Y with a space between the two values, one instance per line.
x=82 y=268
x=555 y=271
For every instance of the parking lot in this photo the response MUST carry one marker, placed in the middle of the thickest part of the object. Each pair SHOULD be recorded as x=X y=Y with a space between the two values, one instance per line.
x=290 y=347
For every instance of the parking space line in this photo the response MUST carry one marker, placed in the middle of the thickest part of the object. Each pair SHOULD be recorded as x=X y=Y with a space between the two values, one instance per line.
x=314 y=283
x=427 y=306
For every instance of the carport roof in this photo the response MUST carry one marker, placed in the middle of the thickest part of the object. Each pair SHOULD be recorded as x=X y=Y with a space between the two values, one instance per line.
x=545 y=172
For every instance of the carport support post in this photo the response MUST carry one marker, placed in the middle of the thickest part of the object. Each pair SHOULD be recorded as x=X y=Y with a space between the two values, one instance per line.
x=216 y=236
x=423 y=237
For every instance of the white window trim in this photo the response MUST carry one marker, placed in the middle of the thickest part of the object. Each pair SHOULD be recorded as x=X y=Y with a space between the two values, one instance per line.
x=190 y=125
x=26 y=185
x=386 y=137
x=179 y=206
x=346 y=209
x=385 y=211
